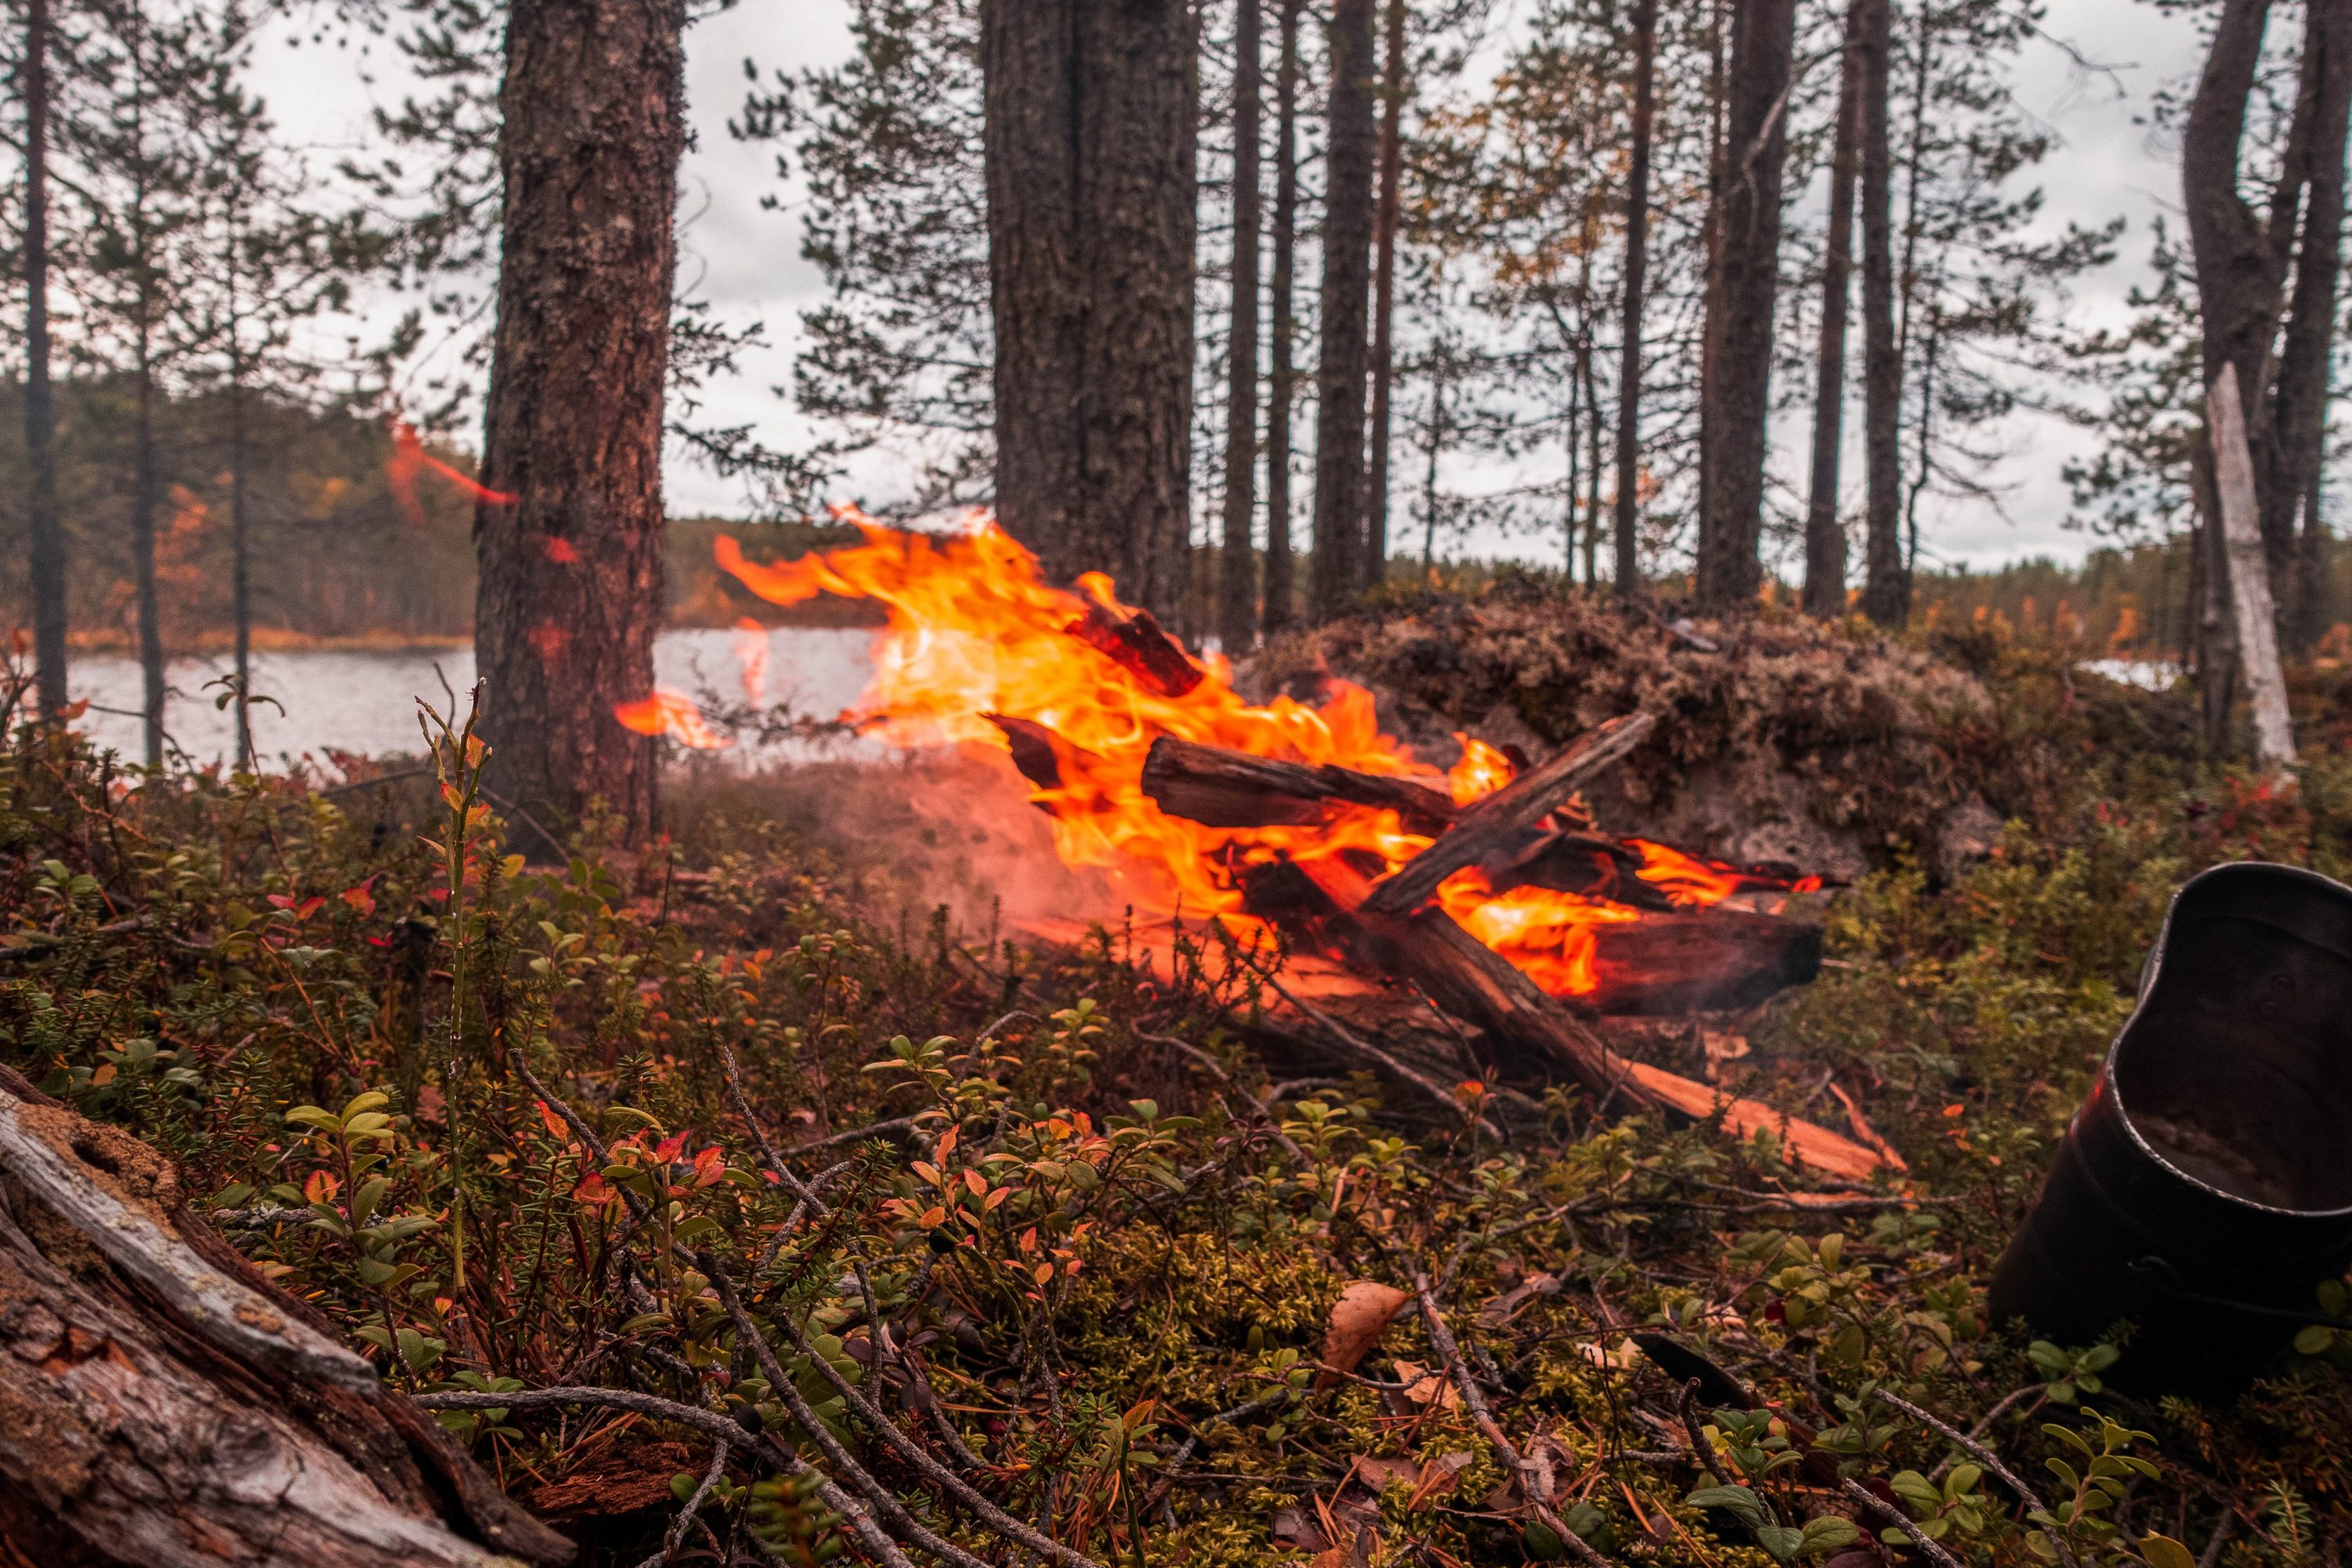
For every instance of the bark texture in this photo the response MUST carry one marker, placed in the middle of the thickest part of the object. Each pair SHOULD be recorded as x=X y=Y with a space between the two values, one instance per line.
x=2245 y=258
x=1346 y=299
x=1739 y=302
x=1824 y=531
x=1886 y=587
x=42 y=522
x=1091 y=153
x=1238 y=561
x=1281 y=579
x=162 y=1406
x=1629 y=373
x=570 y=541
x=1385 y=219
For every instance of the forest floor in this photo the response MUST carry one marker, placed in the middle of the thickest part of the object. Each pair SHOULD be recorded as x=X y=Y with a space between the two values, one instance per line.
x=1138 y=1288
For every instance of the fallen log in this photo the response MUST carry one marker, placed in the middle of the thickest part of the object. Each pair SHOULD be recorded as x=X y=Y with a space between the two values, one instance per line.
x=1491 y=828
x=1219 y=787
x=163 y=1405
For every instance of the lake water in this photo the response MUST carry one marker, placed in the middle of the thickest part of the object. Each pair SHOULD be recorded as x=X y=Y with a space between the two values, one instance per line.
x=366 y=703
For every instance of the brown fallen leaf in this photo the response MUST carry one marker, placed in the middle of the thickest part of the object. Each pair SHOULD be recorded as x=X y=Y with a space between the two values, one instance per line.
x=1425 y=1385
x=1438 y=1478
x=1359 y=1318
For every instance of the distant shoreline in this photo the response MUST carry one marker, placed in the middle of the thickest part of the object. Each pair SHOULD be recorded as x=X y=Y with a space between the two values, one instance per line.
x=823 y=613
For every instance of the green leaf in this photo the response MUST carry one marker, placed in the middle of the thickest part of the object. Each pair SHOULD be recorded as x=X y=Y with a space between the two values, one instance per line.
x=1738 y=1501
x=2163 y=1552
x=2314 y=1338
x=1829 y=1532
x=1780 y=1540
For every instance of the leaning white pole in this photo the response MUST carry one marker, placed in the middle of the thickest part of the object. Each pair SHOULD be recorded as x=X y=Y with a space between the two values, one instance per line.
x=2250 y=573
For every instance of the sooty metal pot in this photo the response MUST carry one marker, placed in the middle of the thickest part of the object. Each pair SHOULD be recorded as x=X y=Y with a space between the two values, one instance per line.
x=2205 y=1188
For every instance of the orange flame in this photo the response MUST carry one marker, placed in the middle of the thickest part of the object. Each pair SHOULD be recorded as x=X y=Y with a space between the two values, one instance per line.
x=673 y=714
x=974 y=633
x=409 y=459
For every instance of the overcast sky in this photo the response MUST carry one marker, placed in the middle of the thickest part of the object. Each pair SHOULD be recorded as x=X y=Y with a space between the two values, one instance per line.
x=747 y=262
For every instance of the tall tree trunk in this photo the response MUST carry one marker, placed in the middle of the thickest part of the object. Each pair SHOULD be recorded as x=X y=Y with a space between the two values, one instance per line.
x=1572 y=435
x=1089 y=136
x=1711 y=252
x=1281 y=574
x=1391 y=176
x=48 y=531
x=1824 y=531
x=1592 y=453
x=1429 y=475
x=1739 y=302
x=1886 y=583
x=570 y=544
x=1637 y=247
x=1345 y=299
x=1237 y=562
x=146 y=494
x=146 y=480
x=240 y=544
x=2300 y=407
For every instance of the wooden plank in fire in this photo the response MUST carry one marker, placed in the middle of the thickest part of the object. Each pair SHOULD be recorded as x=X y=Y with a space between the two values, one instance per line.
x=1220 y=787
x=1487 y=829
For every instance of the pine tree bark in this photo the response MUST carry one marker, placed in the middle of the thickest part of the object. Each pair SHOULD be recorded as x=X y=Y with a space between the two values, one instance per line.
x=1281 y=578
x=2243 y=257
x=1740 y=300
x=1090 y=144
x=1825 y=532
x=570 y=565
x=1237 y=560
x=2299 y=410
x=43 y=523
x=1637 y=251
x=1389 y=211
x=1887 y=584
x=1346 y=299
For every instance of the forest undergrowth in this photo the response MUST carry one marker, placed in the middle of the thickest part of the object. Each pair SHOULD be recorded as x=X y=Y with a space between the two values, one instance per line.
x=714 y=1208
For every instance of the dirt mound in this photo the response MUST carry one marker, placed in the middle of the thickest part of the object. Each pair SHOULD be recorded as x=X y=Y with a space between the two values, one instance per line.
x=1826 y=747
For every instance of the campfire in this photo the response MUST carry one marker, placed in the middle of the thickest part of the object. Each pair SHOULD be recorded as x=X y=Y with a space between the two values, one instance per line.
x=1487 y=886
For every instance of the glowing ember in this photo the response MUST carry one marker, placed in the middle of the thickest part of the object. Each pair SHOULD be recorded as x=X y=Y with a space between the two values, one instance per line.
x=673 y=714
x=975 y=636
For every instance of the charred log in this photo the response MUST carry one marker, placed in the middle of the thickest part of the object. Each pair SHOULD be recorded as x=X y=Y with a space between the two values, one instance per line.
x=1219 y=787
x=1710 y=961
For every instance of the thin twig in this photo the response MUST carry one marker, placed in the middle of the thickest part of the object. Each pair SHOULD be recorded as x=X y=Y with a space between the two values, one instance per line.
x=676 y=1536
x=1441 y=1338
x=1911 y=1532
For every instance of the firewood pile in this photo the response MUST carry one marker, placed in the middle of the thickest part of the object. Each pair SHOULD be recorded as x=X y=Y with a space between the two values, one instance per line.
x=1373 y=960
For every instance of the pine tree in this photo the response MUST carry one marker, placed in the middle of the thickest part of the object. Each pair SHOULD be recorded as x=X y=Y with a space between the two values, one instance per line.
x=1091 y=138
x=568 y=536
x=1280 y=586
x=1236 y=558
x=1346 y=298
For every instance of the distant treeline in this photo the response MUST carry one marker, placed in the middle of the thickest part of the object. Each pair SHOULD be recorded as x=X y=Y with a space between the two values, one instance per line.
x=352 y=539
x=2130 y=601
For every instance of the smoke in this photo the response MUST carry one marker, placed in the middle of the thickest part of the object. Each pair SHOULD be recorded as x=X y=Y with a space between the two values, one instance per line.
x=912 y=833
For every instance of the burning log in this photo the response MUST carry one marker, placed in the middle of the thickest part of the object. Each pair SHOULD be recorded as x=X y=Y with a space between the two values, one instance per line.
x=1135 y=643
x=1714 y=960
x=1468 y=979
x=166 y=1404
x=1223 y=788
x=1490 y=828
x=1045 y=758
x=1471 y=981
